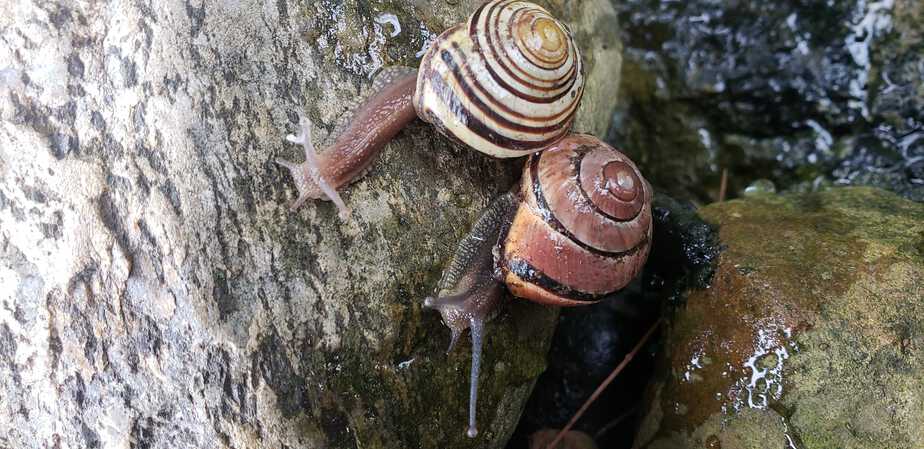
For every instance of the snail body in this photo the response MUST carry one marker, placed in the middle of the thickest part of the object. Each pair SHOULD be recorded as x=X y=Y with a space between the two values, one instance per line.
x=388 y=110
x=507 y=82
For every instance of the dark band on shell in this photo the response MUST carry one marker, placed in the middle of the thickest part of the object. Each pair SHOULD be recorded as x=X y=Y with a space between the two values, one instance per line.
x=528 y=273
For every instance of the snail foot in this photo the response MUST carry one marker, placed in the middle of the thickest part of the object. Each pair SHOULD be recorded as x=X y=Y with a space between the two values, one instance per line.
x=308 y=178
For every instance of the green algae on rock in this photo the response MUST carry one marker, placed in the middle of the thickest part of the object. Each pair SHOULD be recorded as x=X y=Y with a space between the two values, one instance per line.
x=811 y=334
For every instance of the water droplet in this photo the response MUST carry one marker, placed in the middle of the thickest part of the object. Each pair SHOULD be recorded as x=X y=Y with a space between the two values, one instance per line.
x=760 y=187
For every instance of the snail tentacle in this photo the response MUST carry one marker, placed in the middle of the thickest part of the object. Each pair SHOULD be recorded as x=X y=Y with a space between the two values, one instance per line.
x=477 y=327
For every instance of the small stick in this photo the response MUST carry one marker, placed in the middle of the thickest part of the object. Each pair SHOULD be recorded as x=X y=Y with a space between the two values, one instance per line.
x=606 y=382
x=723 y=185
x=612 y=424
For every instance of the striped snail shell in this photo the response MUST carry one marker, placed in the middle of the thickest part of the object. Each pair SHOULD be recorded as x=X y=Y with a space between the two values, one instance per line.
x=583 y=226
x=507 y=82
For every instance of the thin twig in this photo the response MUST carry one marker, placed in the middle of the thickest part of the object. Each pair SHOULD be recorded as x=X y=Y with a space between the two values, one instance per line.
x=606 y=382
x=723 y=185
x=619 y=419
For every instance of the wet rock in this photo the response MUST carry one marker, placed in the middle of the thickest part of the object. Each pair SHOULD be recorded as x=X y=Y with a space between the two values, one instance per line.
x=155 y=290
x=589 y=342
x=684 y=249
x=805 y=94
x=811 y=334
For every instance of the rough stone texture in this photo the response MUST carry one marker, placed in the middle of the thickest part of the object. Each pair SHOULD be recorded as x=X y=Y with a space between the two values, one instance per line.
x=811 y=334
x=154 y=289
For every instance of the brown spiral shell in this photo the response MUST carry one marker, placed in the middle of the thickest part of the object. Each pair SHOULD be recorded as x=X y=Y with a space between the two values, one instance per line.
x=506 y=83
x=583 y=227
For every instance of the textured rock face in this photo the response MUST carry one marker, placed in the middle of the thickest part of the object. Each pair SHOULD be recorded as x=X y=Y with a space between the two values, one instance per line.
x=154 y=289
x=811 y=334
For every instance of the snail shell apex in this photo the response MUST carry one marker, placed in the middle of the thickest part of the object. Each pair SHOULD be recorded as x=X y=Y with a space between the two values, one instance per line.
x=583 y=227
x=506 y=83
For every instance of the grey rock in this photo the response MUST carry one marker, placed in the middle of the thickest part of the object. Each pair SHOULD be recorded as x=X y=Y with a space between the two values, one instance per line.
x=155 y=291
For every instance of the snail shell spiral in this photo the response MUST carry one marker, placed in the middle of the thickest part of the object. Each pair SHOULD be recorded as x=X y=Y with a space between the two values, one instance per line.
x=583 y=228
x=506 y=83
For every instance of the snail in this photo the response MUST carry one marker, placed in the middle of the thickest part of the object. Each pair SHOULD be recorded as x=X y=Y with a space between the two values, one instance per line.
x=577 y=229
x=506 y=82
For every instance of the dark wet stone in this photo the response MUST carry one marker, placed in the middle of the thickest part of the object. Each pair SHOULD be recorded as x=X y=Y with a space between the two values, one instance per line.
x=805 y=94
x=589 y=342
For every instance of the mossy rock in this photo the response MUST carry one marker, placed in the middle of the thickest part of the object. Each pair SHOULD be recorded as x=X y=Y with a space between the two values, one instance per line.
x=811 y=334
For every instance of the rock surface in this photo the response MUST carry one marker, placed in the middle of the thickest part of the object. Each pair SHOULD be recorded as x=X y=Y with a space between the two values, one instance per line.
x=806 y=94
x=155 y=291
x=811 y=334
